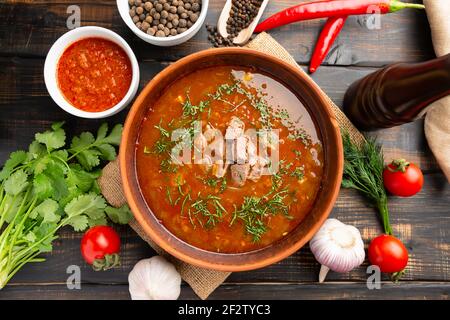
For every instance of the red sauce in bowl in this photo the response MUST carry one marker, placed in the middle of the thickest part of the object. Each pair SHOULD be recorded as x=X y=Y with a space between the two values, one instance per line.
x=94 y=74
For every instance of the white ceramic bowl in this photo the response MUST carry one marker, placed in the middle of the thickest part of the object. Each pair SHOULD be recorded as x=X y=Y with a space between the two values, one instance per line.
x=124 y=10
x=51 y=64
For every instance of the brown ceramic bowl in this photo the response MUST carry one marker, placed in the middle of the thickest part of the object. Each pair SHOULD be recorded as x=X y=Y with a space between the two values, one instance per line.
x=326 y=123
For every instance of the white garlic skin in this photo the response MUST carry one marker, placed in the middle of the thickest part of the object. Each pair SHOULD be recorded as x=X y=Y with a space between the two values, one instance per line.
x=154 y=279
x=338 y=246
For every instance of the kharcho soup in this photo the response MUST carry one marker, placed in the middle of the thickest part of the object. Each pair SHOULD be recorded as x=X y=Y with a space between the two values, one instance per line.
x=255 y=159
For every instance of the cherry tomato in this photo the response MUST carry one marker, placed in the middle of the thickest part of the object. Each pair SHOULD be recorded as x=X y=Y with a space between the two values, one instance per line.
x=402 y=178
x=98 y=242
x=389 y=253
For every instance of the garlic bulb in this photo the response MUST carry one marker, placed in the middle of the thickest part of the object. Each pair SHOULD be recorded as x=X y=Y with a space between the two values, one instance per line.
x=154 y=279
x=338 y=247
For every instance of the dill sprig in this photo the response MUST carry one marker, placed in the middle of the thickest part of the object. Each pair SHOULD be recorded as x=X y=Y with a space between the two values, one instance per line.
x=363 y=171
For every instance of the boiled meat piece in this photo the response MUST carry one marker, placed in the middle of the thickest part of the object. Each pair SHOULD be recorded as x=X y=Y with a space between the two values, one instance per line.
x=258 y=168
x=235 y=129
x=239 y=174
x=219 y=169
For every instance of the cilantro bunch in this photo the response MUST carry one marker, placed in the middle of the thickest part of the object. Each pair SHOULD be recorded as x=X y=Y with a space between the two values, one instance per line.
x=49 y=187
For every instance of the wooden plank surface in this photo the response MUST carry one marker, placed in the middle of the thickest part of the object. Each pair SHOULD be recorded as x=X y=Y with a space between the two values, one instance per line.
x=426 y=235
x=24 y=100
x=27 y=30
x=236 y=292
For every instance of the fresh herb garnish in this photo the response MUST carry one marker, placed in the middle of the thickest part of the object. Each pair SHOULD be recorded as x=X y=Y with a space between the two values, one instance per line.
x=49 y=187
x=363 y=171
x=169 y=196
x=190 y=109
x=299 y=173
x=216 y=182
x=164 y=132
x=254 y=210
x=298 y=134
x=297 y=153
x=201 y=209
x=167 y=166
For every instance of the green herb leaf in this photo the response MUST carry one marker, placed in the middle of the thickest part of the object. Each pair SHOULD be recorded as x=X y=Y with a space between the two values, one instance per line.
x=52 y=139
x=120 y=215
x=47 y=210
x=36 y=149
x=101 y=221
x=15 y=158
x=114 y=137
x=88 y=150
x=363 y=171
x=90 y=204
x=16 y=183
x=79 y=223
x=81 y=178
x=37 y=185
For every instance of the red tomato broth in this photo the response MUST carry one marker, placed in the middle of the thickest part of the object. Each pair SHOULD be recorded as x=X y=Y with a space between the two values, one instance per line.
x=94 y=74
x=156 y=185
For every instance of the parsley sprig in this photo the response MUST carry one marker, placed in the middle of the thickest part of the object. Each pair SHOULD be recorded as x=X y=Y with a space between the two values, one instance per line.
x=49 y=187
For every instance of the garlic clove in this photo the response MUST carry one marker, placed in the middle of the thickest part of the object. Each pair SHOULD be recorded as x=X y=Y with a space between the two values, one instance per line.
x=323 y=273
x=154 y=279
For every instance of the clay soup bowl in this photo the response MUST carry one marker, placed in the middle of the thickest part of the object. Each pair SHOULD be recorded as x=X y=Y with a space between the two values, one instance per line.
x=320 y=111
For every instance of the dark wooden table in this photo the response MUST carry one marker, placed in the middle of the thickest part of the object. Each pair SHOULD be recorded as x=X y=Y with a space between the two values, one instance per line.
x=29 y=28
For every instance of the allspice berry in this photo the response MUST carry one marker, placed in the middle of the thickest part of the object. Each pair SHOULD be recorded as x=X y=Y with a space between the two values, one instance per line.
x=167 y=18
x=144 y=26
x=148 y=6
x=160 y=33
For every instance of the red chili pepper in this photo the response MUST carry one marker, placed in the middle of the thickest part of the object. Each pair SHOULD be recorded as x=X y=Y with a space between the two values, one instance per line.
x=326 y=39
x=325 y=9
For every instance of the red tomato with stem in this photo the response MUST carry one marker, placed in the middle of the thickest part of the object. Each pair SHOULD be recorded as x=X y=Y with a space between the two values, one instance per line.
x=388 y=253
x=100 y=247
x=402 y=178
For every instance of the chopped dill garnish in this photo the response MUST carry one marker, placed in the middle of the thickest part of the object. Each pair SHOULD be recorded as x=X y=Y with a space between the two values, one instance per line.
x=298 y=173
x=201 y=209
x=179 y=185
x=254 y=210
x=299 y=135
x=190 y=109
x=216 y=182
x=167 y=166
x=255 y=101
x=164 y=132
x=282 y=114
x=183 y=204
x=169 y=197
x=161 y=146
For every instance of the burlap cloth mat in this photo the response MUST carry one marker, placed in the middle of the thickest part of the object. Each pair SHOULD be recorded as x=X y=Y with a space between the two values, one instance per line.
x=437 y=120
x=204 y=281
